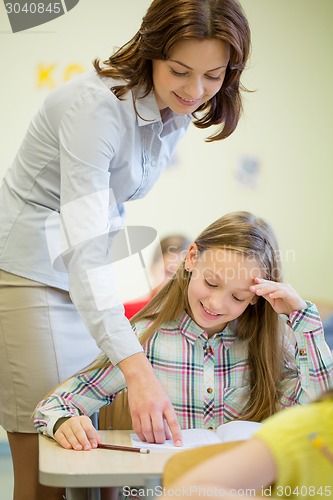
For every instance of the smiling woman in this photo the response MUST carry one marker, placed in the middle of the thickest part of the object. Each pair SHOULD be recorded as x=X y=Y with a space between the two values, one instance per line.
x=97 y=142
x=193 y=74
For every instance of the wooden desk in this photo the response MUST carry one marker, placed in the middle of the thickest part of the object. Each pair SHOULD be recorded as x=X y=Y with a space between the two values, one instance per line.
x=77 y=470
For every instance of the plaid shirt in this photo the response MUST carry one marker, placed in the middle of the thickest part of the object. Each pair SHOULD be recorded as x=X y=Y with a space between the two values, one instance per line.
x=206 y=379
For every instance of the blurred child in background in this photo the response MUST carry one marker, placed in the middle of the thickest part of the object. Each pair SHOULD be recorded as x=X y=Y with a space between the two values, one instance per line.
x=164 y=264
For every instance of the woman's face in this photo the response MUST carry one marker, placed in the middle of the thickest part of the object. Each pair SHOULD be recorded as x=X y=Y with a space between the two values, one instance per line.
x=219 y=288
x=191 y=76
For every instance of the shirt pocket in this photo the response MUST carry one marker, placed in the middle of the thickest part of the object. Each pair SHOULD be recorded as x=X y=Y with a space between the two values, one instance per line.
x=233 y=402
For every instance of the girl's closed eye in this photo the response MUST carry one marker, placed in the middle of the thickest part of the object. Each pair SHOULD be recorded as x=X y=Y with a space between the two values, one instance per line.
x=237 y=299
x=211 y=285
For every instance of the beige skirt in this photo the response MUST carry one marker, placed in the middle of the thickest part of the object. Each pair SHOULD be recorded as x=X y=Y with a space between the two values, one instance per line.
x=43 y=341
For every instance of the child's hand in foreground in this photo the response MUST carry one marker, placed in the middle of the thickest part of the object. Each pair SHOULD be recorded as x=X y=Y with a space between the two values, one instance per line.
x=77 y=433
x=281 y=296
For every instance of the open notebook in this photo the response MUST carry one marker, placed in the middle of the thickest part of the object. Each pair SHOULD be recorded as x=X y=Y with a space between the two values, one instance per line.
x=231 y=431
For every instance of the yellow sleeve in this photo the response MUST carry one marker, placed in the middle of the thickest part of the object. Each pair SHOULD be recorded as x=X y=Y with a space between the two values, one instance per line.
x=303 y=470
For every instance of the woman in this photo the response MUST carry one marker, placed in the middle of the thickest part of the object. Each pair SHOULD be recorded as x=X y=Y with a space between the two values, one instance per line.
x=97 y=142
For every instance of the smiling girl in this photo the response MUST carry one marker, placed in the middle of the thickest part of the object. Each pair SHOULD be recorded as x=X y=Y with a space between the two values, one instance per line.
x=226 y=339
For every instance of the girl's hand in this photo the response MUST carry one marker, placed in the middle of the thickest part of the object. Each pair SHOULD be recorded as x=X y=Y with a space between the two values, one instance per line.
x=281 y=296
x=77 y=433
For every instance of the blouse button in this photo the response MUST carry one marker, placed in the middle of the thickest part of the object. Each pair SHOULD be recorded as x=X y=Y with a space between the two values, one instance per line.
x=209 y=390
x=302 y=352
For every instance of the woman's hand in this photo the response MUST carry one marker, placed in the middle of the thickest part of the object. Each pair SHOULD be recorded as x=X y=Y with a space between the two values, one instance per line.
x=153 y=416
x=77 y=433
x=281 y=296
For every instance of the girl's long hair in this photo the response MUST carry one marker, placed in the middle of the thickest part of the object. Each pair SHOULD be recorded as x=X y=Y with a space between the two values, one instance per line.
x=168 y=22
x=259 y=325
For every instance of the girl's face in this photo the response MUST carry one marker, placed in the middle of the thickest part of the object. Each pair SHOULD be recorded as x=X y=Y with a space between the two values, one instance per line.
x=219 y=291
x=191 y=76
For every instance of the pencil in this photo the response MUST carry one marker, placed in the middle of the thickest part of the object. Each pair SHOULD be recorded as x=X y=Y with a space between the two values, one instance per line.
x=319 y=444
x=123 y=448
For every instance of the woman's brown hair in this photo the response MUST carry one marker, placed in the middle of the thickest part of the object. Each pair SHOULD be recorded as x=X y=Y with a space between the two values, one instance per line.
x=166 y=23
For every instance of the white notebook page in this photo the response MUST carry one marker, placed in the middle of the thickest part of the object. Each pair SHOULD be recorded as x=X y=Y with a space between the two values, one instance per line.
x=237 y=430
x=191 y=439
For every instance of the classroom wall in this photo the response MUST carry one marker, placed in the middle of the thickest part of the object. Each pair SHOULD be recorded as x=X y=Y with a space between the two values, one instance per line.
x=277 y=164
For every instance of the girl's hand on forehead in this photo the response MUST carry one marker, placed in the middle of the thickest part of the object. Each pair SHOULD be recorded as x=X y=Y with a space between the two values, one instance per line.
x=281 y=296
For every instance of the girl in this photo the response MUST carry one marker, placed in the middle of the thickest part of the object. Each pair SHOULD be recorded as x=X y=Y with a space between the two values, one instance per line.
x=97 y=142
x=226 y=338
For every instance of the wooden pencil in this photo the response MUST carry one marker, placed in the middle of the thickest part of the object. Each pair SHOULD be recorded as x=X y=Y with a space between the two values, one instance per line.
x=123 y=448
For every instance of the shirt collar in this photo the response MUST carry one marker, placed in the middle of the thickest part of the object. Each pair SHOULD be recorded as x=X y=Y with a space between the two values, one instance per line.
x=192 y=331
x=148 y=112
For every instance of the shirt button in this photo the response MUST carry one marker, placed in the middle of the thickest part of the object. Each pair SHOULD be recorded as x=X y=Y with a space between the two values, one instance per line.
x=209 y=350
x=210 y=428
x=209 y=390
x=302 y=352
